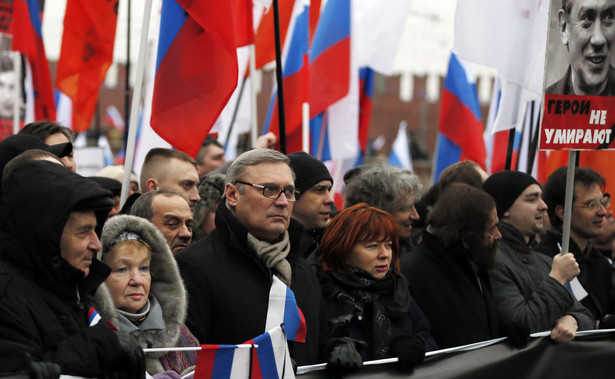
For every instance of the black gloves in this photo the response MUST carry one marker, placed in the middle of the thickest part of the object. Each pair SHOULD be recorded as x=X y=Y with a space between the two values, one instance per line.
x=410 y=350
x=517 y=333
x=607 y=322
x=44 y=370
x=133 y=359
x=344 y=357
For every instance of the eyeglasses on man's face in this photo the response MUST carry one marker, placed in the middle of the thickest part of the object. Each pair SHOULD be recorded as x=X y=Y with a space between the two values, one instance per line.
x=273 y=192
x=595 y=204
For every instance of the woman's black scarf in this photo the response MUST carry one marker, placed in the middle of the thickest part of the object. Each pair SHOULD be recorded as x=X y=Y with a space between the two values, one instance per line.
x=380 y=300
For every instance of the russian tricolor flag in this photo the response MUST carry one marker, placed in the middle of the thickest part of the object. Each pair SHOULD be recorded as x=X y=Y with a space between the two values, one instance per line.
x=460 y=127
x=283 y=309
x=222 y=362
x=271 y=360
x=294 y=72
x=196 y=70
x=28 y=39
x=93 y=317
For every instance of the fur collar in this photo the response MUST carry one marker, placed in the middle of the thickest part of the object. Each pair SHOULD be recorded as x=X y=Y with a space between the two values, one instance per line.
x=167 y=285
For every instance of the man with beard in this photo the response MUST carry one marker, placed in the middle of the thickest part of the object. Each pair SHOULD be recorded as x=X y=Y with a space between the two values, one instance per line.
x=529 y=287
x=586 y=223
x=447 y=271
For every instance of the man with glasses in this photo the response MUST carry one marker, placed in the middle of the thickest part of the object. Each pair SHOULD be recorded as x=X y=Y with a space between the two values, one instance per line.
x=529 y=287
x=228 y=274
x=587 y=222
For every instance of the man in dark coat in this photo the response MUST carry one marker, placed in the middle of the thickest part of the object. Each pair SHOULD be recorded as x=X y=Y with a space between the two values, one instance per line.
x=588 y=218
x=530 y=287
x=228 y=274
x=447 y=271
x=314 y=207
x=50 y=220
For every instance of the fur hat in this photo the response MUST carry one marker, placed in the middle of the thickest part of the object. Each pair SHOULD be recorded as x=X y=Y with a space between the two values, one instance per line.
x=308 y=170
x=505 y=187
x=211 y=190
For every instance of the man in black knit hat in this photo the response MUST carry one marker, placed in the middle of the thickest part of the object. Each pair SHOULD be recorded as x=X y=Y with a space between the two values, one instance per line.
x=529 y=287
x=313 y=209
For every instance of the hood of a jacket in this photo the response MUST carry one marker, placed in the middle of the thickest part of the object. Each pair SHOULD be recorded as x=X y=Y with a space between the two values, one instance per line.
x=166 y=286
x=37 y=200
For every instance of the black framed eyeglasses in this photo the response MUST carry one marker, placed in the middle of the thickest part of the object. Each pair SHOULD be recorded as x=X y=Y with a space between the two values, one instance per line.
x=594 y=205
x=272 y=192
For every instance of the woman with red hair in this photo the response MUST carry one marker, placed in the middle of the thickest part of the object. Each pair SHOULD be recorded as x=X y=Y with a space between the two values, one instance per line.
x=369 y=311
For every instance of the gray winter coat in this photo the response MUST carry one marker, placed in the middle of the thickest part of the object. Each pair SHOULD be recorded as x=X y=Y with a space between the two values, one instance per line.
x=524 y=291
x=166 y=286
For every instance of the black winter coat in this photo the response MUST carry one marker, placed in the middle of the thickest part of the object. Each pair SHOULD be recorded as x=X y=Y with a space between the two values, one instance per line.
x=458 y=303
x=44 y=301
x=228 y=287
x=596 y=273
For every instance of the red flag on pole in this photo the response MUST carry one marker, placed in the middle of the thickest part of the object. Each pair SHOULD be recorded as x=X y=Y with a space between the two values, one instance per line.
x=86 y=54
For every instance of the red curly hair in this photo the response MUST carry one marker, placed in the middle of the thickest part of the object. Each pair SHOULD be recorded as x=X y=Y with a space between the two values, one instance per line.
x=356 y=224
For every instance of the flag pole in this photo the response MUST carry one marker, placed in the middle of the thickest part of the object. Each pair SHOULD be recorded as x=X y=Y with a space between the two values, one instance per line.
x=253 y=107
x=572 y=156
x=235 y=111
x=127 y=80
x=16 y=57
x=136 y=99
x=534 y=142
x=278 y=76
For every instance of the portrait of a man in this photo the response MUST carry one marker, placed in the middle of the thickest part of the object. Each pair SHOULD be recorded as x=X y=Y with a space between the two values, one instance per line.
x=587 y=31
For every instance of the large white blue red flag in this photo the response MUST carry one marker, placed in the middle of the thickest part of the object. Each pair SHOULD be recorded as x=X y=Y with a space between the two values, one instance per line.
x=295 y=82
x=196 y=70
x=28 y=40
x=460 y=129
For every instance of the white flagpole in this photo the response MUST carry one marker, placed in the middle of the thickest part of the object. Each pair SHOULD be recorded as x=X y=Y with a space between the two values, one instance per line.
x=136 y=99
x=16 y=56
x=254 y=118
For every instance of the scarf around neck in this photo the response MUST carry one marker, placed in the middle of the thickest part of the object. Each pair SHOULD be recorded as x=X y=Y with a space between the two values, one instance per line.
x=273 y=255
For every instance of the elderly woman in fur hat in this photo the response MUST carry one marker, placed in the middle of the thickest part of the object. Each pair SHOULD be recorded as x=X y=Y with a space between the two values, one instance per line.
x=147 y=291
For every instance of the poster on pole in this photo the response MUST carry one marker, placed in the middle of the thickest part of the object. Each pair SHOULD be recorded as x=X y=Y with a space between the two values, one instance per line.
x=579 y=80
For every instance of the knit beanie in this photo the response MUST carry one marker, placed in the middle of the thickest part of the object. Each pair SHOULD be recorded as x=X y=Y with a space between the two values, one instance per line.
x=505 y=187
x=308 y=170
x=211 y=189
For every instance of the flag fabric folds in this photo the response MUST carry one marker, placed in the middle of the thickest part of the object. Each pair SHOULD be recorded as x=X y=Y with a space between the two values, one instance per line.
x=295 y=70
x=460 y=129
x=510 y=38
x=86 y=54
x=400 y=153
x=222 y=361
x=28 y=39
x=283 y=309
x=271 y=360
x=196 y=70
x=330 y=57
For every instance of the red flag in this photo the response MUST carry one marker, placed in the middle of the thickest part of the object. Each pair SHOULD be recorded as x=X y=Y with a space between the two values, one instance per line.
x=196 y=72
x=244 y=24
x=28 y=39
x=265 y=37
x=86 y=54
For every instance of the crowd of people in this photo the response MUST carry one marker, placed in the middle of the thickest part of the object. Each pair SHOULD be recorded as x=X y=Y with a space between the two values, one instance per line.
x=192 y=255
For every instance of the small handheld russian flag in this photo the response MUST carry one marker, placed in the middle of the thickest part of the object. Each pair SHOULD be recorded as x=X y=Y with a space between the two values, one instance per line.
x=283 y=308
x=93 y=317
